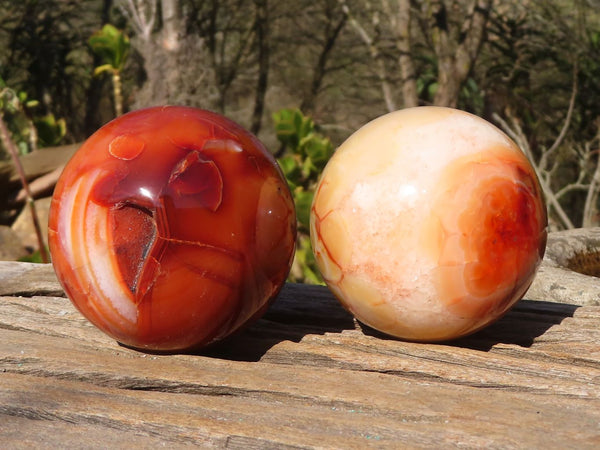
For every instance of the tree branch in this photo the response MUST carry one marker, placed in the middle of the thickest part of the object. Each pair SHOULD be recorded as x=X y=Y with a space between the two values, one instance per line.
x=10 y=146
x=457 y=52
x=141 y=14
x=401 y=23
x=516 y=133
x=375 y=55
x=567 y=123
x=262 y=33
x=331 y=35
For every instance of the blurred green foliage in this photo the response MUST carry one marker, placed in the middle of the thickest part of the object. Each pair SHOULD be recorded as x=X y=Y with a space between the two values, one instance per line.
x=27 y=129
x=35 y=257
x=50 y=130
x=113 y=46
x=305 y=154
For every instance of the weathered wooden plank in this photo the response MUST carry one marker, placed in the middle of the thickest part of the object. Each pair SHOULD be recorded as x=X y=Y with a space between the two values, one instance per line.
x=20 y=278
x=304 y=376
x=39 y=162
x=24 y=432
x=541 y=367
x=49 y=378
x=42 y=168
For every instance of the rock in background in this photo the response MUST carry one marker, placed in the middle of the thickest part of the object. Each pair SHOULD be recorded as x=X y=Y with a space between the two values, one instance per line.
x=42 y=168
x=11 y=248
x=570 y=270
x=23 y=225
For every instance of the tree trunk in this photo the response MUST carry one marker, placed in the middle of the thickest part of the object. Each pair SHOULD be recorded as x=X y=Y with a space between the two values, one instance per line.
x=449 y=81
x=410 y=95
x=262 y=37
x=331 y=34
x=170 y=46
x=456 y=49
x=228 y=45
x=92 y=119
x=376 y=56
x=171 y=19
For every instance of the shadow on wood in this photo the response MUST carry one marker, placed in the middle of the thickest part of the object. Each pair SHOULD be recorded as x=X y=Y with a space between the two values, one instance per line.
x=303 y=310
x=520 y=326
x=299 y=310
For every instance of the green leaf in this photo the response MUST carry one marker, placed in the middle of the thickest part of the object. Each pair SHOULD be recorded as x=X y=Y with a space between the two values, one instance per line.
x=286 y=134
x=291 y=126
x=432 y=89
x=304 y=125
x=310 y=275
x=306 y=258
x=50 y=130
x=103 y=68
x=303 y=200
x=31 y=104
x=112 y=45
x=307 y=152
x=285 y=128
x=308 y=168
x=288 y=164
x=319 y=149
x=291 y=170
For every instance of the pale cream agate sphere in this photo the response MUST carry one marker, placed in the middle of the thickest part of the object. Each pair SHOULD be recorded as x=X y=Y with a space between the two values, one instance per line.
x=428 y=224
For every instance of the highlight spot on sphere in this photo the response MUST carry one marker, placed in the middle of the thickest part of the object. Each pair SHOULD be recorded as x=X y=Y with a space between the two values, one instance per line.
x=428 y=223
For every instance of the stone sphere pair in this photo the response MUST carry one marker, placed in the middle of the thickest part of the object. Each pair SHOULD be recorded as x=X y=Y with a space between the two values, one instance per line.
x=173 y=227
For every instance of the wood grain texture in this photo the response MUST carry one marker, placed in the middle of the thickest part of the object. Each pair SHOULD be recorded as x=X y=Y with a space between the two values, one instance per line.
x=40 y=162
x=36 y=164
x=304 y=376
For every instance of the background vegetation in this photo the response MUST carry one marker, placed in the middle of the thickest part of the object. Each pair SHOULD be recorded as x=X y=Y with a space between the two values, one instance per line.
x=530 y=66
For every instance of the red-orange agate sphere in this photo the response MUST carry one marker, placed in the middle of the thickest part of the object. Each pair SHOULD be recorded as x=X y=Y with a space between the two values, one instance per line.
x=171 y=228
x=428 y=223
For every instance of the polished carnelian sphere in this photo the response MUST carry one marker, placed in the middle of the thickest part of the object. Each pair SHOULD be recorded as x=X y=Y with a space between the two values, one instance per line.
x=171 y=228
x=428 y=223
